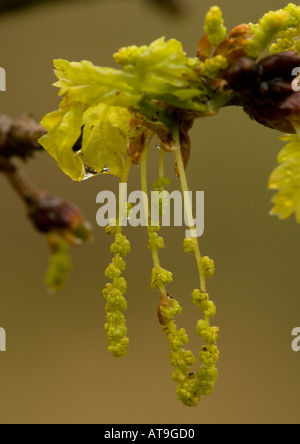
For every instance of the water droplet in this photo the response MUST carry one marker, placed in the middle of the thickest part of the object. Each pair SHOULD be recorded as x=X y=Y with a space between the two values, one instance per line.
x=88 y=170
x=105 y=170
x=158 y=147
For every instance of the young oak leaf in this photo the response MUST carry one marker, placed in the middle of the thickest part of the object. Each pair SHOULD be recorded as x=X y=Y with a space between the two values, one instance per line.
x=155 y=80
x=104 y=131
x=291 y=150
x=162 y=71
x=86 y=83
x=286 y=178
x=105 y=138
x=63 y=130
x=159 y=66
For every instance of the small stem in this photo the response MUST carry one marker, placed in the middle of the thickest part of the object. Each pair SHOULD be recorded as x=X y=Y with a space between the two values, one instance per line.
x=144 y=182
x=188 y=207
x=161 y=164
x=124 y=179
x=126 y=169
x=19 y=137
x=19 y=181
x=144 y=185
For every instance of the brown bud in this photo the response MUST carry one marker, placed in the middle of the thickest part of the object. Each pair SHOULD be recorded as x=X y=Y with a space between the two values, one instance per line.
x=204 y=48
x=163 y=303
x=279 y=66
x=53 y=214
x=264 y=89
x=233 y=48
x=136 y=143
x=243 y=76
x=281 y=116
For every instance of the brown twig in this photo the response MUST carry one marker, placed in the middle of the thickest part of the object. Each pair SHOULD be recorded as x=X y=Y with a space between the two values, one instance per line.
x=19 y=137
x=19 y=181
x=15 y=5
x=172 y=6
x=48 y=213
x=177 y=7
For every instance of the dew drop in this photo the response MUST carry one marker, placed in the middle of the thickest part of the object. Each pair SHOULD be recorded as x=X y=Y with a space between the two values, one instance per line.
x=88 y=170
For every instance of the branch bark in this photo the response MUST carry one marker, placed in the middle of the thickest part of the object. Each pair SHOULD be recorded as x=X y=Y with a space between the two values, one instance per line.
x=173 y=6
x=18 y=137
x=48 y=213
x=19 y=181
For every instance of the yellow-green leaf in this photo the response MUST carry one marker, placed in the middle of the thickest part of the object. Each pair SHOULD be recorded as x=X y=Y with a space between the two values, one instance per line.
x=83 y=82
x=105 y=135
x=64 y=129
x=286 y=179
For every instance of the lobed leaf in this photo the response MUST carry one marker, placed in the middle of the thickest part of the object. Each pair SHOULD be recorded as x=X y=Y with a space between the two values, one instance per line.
x=286 y=178
x=104 y=142
x=104 y=139
x=64 y=129
x=83 y=82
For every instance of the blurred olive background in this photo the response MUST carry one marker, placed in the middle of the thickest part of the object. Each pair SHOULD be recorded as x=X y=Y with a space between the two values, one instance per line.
x=57 y=369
